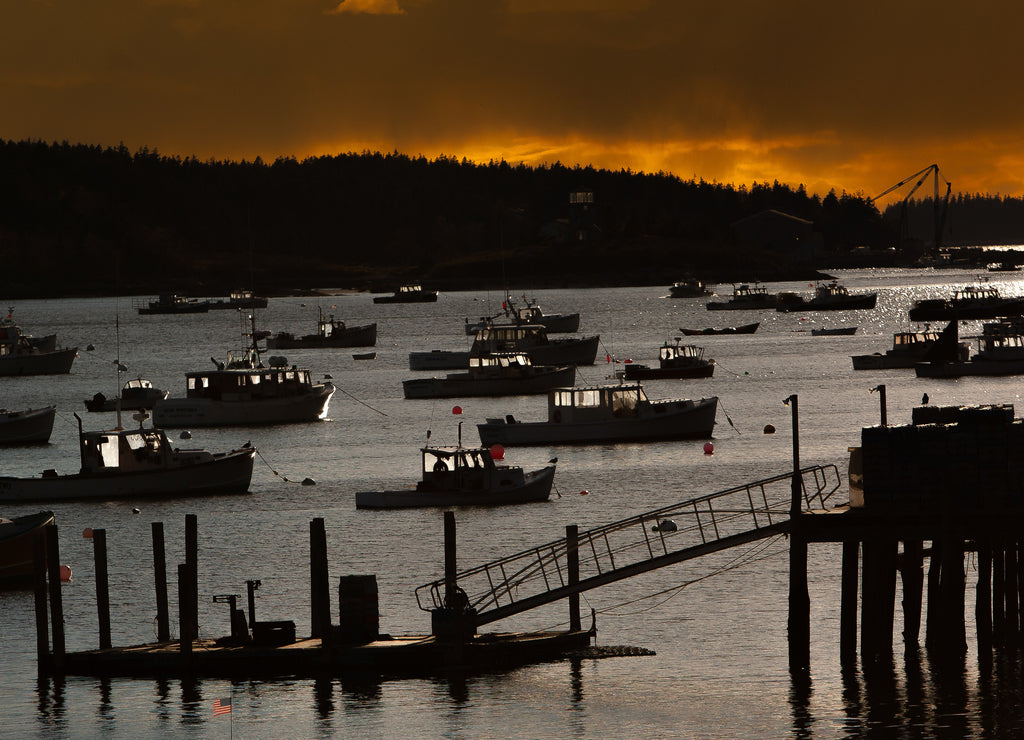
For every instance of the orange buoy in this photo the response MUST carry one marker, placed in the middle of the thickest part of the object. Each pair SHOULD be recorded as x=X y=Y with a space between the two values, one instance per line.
x=65 y=573
x=87 y=533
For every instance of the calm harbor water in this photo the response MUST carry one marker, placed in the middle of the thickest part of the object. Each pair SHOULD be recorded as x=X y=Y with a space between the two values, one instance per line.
x=718 y=628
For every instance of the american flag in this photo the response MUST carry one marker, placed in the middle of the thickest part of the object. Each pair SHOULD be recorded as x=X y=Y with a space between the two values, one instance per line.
x=221 y=706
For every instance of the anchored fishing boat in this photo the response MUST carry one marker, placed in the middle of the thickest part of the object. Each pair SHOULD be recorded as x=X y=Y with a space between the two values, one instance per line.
x=330 y=332
x=32 y=426
x=465 y=476
x=20 y=354
x=17 y=536
x=1000 y=352
x=243 y=391
x=136 y=394
x=743 y=329
x=675 y=361
x=908 y=349
x=531 y=313
x=500 y=374
x=828 y=297
x=606 y=413
x=971 y=302
x=412 y=293
x=745 y=298
x=135 y=463
x=529 y=339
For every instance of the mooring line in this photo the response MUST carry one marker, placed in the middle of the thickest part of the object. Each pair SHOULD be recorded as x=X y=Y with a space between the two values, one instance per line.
x=358 y=401
x=722 y=406
x=304 y=482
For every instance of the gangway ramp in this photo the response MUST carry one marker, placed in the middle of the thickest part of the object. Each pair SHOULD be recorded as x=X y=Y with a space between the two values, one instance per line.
x=635 y=545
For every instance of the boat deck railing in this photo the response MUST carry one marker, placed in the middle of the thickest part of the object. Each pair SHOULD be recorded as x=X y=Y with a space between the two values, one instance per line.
x=635 y=545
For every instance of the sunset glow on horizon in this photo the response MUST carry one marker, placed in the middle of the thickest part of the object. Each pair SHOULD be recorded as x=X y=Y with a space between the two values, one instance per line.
x=850 y=99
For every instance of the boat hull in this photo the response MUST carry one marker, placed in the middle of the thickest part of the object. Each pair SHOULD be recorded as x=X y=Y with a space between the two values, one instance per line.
x=466 y=385
x=535 y=488
x=17 y=537
x=979 y=368
x=57 y=362
x=221 y=473
x=1007 y=307
x=643 y=372
x=32 y=426
x=174 y=413
x=744 y=329
x=675 y=420
x=356 y=336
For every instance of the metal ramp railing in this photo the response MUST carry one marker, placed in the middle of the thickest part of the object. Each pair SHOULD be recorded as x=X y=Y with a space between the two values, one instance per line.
x=635 y=545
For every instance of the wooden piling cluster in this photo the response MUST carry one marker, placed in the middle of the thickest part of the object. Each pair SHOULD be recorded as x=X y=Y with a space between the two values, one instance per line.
x=935 y=493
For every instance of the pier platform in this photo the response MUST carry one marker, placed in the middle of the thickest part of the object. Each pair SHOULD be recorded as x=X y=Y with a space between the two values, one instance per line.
x=308 y=657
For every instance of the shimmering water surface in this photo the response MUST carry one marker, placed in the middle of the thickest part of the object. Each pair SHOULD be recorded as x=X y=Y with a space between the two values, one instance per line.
x=720 y=668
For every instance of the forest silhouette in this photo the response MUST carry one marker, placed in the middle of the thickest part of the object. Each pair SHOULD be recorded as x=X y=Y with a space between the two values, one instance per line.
x=77 y=219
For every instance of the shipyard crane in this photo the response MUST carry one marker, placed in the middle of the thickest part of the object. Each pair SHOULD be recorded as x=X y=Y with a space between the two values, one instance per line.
x=941 y=209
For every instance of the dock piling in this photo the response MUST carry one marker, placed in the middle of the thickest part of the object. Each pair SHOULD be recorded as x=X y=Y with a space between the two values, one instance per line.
x=319 y=596
x=56 y=598
x=572 y=556
x=185 y=613
x=192 y=560
x=99 y=544
x=848 y=603
x=163 y=627
x=39 y=593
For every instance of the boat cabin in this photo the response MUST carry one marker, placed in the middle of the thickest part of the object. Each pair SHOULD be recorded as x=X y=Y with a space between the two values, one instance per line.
x=681 y=353
x=325 y=328
x=124 y=450
x=508 y=338
x=594 y=403
x=459 y=467
x=240 y=380
x=499 y=360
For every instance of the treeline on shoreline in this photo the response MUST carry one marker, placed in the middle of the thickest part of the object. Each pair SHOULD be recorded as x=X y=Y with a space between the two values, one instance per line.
x=81 y=219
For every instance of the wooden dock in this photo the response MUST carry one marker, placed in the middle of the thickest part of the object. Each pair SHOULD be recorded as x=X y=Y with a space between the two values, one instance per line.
x=266 y=649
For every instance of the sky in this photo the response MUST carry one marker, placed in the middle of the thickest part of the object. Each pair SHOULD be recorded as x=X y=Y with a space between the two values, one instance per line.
x=853 y=97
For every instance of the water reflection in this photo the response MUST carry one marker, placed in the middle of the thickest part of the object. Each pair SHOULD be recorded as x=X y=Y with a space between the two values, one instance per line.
x=51 y=695
x=927 y=695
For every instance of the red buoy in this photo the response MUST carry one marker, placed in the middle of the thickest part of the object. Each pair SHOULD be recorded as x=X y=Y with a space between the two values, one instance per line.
x=456 y=410
x=87 y=533
x=709 y=449
x=65 y=573
x=497 y=452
